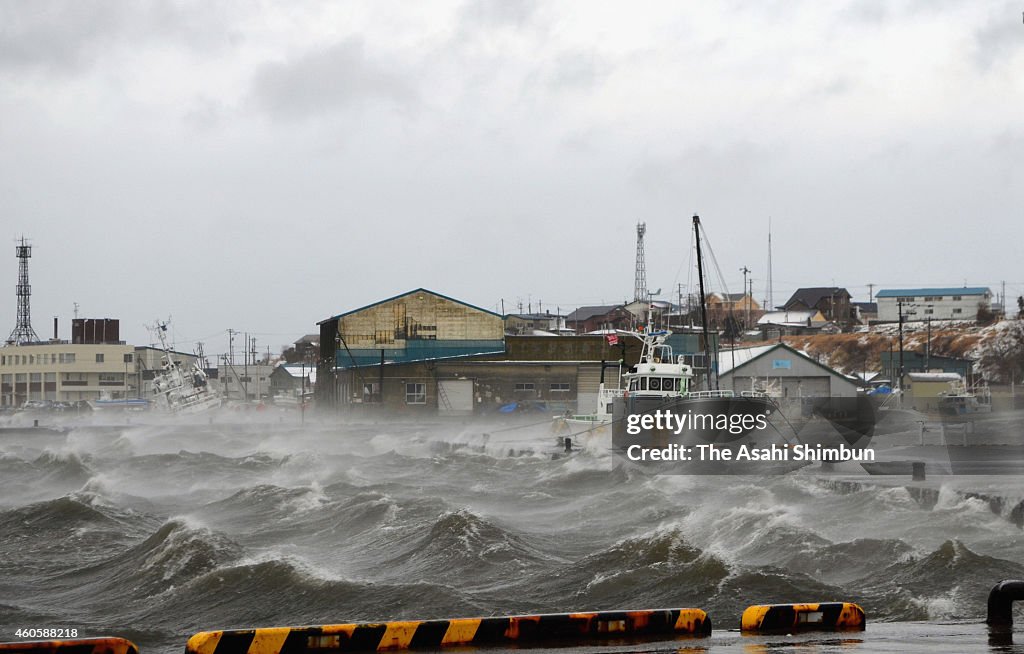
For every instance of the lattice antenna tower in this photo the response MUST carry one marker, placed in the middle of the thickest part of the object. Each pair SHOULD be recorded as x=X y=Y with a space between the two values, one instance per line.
x=23 y=332
x=640 y=287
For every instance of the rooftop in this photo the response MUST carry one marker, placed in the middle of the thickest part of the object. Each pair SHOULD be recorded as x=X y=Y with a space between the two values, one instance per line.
x=911 y=292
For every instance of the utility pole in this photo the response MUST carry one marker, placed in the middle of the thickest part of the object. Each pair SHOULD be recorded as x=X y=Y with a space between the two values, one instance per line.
x=257 y=366
x=245 y=369
x=871 y=292
x=746 y=321
x=750 y=299
x=928 y=345
x=899 y=305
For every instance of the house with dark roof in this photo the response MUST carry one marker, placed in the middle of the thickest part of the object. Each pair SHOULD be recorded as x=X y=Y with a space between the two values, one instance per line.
x=594 y=318
x=865 y=312
x=832 y=301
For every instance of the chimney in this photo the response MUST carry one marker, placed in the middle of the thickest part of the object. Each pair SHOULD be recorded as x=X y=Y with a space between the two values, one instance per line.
x=55 y=328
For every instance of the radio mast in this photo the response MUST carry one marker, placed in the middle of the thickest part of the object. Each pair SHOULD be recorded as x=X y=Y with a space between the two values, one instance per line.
x=640 y=287
x=23 y=332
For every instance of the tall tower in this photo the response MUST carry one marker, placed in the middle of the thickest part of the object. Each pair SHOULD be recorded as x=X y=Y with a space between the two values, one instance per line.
x=640 y=287
x=23 y=332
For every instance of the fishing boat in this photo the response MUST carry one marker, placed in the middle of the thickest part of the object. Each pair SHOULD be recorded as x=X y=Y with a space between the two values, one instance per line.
x=181 y=390
x=660 y=392
x=961 y=401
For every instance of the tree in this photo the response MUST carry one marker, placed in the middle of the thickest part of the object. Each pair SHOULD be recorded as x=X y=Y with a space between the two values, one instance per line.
x=1002 y=354
x=1020 y=307
x=985 y=315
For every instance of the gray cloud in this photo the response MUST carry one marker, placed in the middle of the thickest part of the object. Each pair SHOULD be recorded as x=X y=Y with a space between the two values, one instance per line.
x=56 y=36
x=577 y=70
x=68 y=36
x=337 y=77
x=872 y=12
x=998 y=40
x=497 y=13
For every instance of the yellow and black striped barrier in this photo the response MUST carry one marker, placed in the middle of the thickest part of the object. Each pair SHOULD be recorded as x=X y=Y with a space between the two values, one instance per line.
x=382 y=636
x=71 y=646
x=825 y=616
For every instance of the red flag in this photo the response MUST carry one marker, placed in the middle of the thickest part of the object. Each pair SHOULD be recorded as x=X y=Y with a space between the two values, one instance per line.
x=613 y=339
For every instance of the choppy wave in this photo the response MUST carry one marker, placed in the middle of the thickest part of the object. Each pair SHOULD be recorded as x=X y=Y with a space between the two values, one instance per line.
x=157 y=532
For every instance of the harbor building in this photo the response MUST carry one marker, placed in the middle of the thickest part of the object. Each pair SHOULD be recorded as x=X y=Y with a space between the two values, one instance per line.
x=292 y=380
x=244 y=383
x=59 y=371
x=423 y=352
x=784 y=369
x=416 y=326
x=66 y=372
x=933 y=303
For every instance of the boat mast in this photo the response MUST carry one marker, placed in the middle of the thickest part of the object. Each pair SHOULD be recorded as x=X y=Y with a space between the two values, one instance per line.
x=703 y=303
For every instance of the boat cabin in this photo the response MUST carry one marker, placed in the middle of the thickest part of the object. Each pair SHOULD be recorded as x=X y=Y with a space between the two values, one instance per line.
x=659 y=371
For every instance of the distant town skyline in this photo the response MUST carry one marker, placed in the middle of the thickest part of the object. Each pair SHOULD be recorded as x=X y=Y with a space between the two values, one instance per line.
x=260 y=168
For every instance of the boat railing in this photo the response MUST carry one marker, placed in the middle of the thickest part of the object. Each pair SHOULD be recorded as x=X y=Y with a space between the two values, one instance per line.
x=753 y=394
x=705 y=394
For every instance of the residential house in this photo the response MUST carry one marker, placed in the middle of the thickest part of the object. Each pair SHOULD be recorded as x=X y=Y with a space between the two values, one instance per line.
x=740 y=306
x=595 y=318
x=832 y=301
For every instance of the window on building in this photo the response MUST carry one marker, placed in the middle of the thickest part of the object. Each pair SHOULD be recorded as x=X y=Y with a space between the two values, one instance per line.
x=371 y=392
x=35 y=377
x=928 y=312
x=99 y=357
x=69 y=357
x=958 y=310
x=128 y=358
x=524 y=387
x=957 y=298
x=559 y=388
x=415 y=393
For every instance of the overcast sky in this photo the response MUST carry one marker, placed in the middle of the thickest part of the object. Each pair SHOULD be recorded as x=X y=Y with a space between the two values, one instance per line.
x=262 y=166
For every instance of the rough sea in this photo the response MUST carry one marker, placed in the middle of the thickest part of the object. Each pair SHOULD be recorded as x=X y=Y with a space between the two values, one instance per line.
x=155 y=532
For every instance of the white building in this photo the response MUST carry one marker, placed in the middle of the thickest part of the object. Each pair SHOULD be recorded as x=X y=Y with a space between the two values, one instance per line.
x=66 y=372
x=247 y=383
x=935 y=303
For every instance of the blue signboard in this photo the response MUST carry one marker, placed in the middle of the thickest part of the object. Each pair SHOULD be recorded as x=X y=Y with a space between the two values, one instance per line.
x=782 y=363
